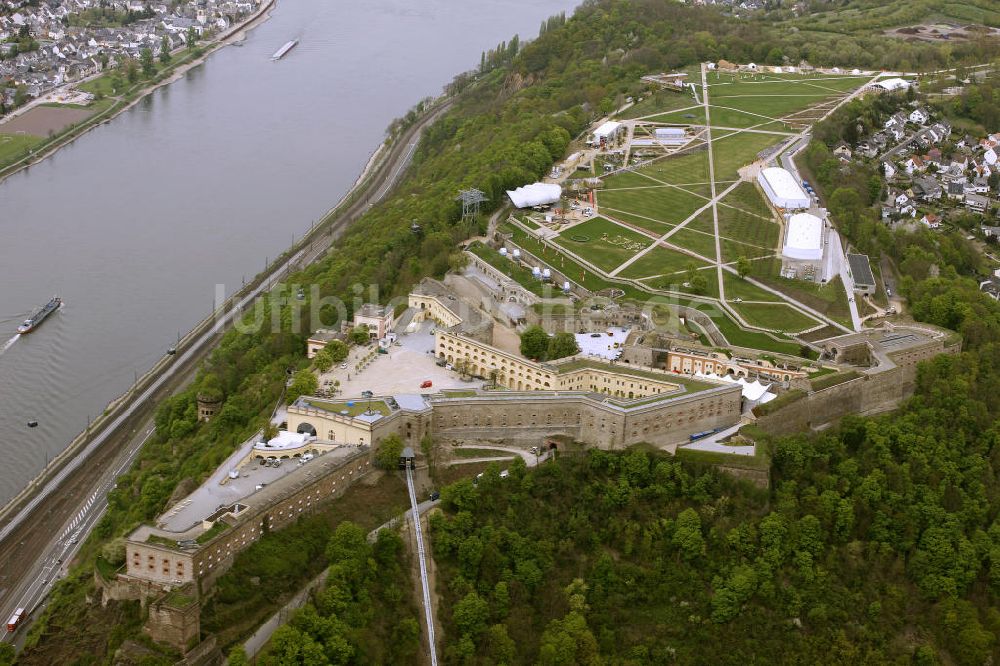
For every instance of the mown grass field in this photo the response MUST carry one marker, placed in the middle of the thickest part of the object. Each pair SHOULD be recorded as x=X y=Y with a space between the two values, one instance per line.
x=16 y=146
x=701 y=243
x=736 y=287
x=743 y=227
x=777 y=316
x=667 y=204
x=660 y=261
x=737 y=150
x=689 y=167
x=659 y=102
x=685 y=116
x=607 y=245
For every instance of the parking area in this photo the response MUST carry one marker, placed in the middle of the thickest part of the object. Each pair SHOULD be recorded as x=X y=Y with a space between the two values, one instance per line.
x=408 y=364
x=220 y=490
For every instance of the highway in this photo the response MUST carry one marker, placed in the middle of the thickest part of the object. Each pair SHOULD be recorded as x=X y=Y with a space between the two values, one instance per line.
x=38 y=543
x=424 y=583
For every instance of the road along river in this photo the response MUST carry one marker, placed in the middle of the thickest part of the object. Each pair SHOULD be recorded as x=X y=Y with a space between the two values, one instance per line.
x=135 y=223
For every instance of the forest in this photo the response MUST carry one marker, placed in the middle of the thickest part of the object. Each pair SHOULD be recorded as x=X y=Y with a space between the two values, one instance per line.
x=836 y=498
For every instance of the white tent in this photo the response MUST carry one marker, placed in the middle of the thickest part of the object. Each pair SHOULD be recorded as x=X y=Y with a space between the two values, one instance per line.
x=536 y=194
x=753 y=392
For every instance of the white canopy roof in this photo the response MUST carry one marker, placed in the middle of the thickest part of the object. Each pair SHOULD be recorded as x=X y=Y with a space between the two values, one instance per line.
x=782 y=188
x=536 y=194
x=752 y=391
x=804 y=238
x=894 y=83
x=606 y=130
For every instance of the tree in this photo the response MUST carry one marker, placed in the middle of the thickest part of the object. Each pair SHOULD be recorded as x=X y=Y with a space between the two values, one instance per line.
x=164 y=50
x=699 y=283
x=470 y=614
x=687 y=534
x=237 y=657
x=743 y=266
x=389 y=450
x=147 y=63
x=323 y=360
x=561 y=345
x=304 y=382
x=337 y=350
x=534 y=343
x=191 y=37
x=360 y=335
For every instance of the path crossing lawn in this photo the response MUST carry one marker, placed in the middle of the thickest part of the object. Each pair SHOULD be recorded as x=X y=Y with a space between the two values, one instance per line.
x=750 y=199
x=688 y=167
x=608 y=244
x=746 y=228
x=660 y=261
x=705 y=222
x=733 y=250
x=775 y=316
x=772 y=106
x=695 y=116
x=664 y=203
x=627 y=179
x=656 y=226
x=737 y=287
x=15 y=146
x=659 y=102
x=703 y=244
x=737 y=150
x=726 y=117
x=828 y=299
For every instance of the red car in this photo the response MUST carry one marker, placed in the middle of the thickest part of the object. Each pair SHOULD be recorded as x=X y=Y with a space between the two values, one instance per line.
x=426 y=384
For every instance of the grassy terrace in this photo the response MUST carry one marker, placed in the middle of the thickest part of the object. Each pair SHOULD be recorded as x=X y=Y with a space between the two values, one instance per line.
x=356 y=407
x=760 y=461
x=777 y=316
x=510 y=268
x=218 y=528
x=595 y=282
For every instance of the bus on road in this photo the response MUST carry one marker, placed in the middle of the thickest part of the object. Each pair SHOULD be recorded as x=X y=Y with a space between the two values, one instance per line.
x=15 y=620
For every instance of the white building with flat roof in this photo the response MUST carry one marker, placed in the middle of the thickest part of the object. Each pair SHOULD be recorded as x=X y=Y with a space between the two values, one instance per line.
x=782 y=189
x=606 y=132
x=803 y=238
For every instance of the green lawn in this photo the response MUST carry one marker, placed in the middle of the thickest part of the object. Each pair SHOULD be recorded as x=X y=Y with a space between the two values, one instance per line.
x=659 y=102
x=778 y=316
x=737 y=150
x=607 y=245
x=509 y=267
x=15 y=146
x=667 y=204
x=733 y=250
x=705 y=222
x=687 y=167
x=703 y=244
x=747 y=230
x=660 y=261
x=723 y=117
x=829 y=299
x=737 y=287
x=658 y=227
x=695 y=116
x=750 y=199
x=771 y=106
x=628 y=179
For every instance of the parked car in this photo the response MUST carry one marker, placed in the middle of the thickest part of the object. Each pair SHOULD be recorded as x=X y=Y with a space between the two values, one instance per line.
x=435 y=496
x=426 y=384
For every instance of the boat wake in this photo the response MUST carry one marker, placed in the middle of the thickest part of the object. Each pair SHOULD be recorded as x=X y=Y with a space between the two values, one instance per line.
x=7 y=345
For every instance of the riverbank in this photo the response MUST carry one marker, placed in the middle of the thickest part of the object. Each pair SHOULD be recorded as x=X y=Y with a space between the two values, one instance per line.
x=121 y=104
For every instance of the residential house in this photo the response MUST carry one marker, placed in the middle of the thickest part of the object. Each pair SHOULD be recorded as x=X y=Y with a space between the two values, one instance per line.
x=842 y=150
x=889 y=170
x=927 y=189
x=956 y=190
x=920 y=116
x=977 y=203
x=931 y=221
x=914 y=164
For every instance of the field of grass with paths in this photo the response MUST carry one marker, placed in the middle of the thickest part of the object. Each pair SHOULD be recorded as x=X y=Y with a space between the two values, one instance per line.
x=777 y=316
x=607 y=245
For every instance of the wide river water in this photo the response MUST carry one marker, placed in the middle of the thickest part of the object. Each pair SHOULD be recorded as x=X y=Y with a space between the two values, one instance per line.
x=135 y=223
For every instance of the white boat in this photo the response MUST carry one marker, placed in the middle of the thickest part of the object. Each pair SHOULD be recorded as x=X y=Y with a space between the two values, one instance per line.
x=280 y=53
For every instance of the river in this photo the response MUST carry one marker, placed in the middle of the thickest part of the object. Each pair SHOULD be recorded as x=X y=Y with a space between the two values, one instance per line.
x=135 y=223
